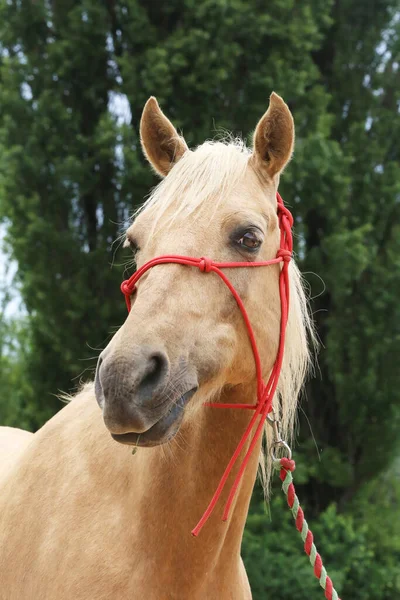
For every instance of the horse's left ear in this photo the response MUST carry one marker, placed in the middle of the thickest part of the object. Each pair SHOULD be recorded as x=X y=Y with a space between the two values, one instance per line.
x=274 y=138
x=161 y=143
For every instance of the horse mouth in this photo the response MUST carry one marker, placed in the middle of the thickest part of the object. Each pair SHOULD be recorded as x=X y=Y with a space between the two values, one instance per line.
x=161 y=432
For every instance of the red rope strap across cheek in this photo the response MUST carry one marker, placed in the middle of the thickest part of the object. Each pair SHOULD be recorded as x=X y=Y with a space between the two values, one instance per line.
x=265 y=391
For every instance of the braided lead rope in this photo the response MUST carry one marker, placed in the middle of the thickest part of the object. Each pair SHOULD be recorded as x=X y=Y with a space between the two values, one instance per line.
x=286 y=466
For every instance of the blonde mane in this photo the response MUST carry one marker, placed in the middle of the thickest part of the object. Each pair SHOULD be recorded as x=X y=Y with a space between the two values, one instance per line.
x=206 y=174
x=299 y=345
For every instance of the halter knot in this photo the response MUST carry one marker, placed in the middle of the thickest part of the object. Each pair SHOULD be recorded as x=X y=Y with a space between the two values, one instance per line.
x=127 y=289
x=205 y=264
x=286 y=255
x=285 y=212
x=288 y=464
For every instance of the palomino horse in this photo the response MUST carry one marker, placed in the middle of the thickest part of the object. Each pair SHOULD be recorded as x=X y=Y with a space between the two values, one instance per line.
x=80 y=516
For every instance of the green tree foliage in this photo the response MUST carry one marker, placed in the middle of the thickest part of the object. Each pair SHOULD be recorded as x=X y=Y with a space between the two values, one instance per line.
x=361 y=555
x=17 y=401
x=350 y=210
x=61 y=182
x=16 y=397
x=71 y=171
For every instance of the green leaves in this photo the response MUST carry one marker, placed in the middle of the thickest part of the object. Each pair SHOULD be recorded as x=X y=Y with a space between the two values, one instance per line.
x=60 y=188
x=277 y=565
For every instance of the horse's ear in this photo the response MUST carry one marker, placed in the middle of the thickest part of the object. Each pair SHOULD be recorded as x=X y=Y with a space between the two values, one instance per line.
x=161 y=143
x=274 y=138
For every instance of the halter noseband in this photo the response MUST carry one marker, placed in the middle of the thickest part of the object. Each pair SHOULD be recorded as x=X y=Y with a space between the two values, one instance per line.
x=265 y=391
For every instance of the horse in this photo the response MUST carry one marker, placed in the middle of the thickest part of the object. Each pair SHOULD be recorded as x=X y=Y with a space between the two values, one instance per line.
x=99 y=503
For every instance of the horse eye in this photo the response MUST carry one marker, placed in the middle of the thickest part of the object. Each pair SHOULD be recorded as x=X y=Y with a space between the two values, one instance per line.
x=250 y=241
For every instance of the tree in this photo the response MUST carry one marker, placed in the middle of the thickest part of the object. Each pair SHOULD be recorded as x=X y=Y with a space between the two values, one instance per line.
x=350 y=215
x=16 y=399
x=61 y=185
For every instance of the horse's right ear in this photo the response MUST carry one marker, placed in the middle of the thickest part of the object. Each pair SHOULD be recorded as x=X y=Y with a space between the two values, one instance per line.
x=161 y=143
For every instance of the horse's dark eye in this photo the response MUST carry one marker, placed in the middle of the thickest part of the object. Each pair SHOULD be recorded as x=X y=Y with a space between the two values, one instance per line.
x=251 y=240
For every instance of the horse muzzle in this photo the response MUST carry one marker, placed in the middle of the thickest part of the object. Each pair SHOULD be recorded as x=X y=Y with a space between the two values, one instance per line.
x=142 y=400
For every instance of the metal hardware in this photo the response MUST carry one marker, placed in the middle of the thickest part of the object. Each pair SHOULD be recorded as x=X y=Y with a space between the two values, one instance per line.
x=278 y=442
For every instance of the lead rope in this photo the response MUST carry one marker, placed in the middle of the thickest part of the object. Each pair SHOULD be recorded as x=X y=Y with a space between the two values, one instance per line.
x=286 y=466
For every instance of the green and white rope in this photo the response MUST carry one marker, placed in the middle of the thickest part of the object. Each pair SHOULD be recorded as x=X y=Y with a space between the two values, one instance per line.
x=286 y=466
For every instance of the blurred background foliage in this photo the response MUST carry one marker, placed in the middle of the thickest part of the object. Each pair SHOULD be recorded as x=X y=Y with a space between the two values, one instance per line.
x=74 y=76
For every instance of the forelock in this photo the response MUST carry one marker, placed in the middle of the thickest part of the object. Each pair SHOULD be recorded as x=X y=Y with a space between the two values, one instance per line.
x=201 y=178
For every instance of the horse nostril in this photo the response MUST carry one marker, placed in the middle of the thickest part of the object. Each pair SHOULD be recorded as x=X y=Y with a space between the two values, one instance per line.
x=154 y=372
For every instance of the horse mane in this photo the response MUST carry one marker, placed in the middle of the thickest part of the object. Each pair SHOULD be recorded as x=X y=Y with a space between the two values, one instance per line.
x=300 y=346
x=199 y=181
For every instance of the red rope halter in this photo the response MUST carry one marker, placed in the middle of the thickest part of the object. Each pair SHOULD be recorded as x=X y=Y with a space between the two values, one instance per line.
x=265 y=391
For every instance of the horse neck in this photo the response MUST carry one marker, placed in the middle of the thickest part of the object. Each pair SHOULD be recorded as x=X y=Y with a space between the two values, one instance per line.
x=173 y=486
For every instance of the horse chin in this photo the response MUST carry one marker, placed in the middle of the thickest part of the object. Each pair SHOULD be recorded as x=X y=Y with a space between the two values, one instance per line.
x=161 y=432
